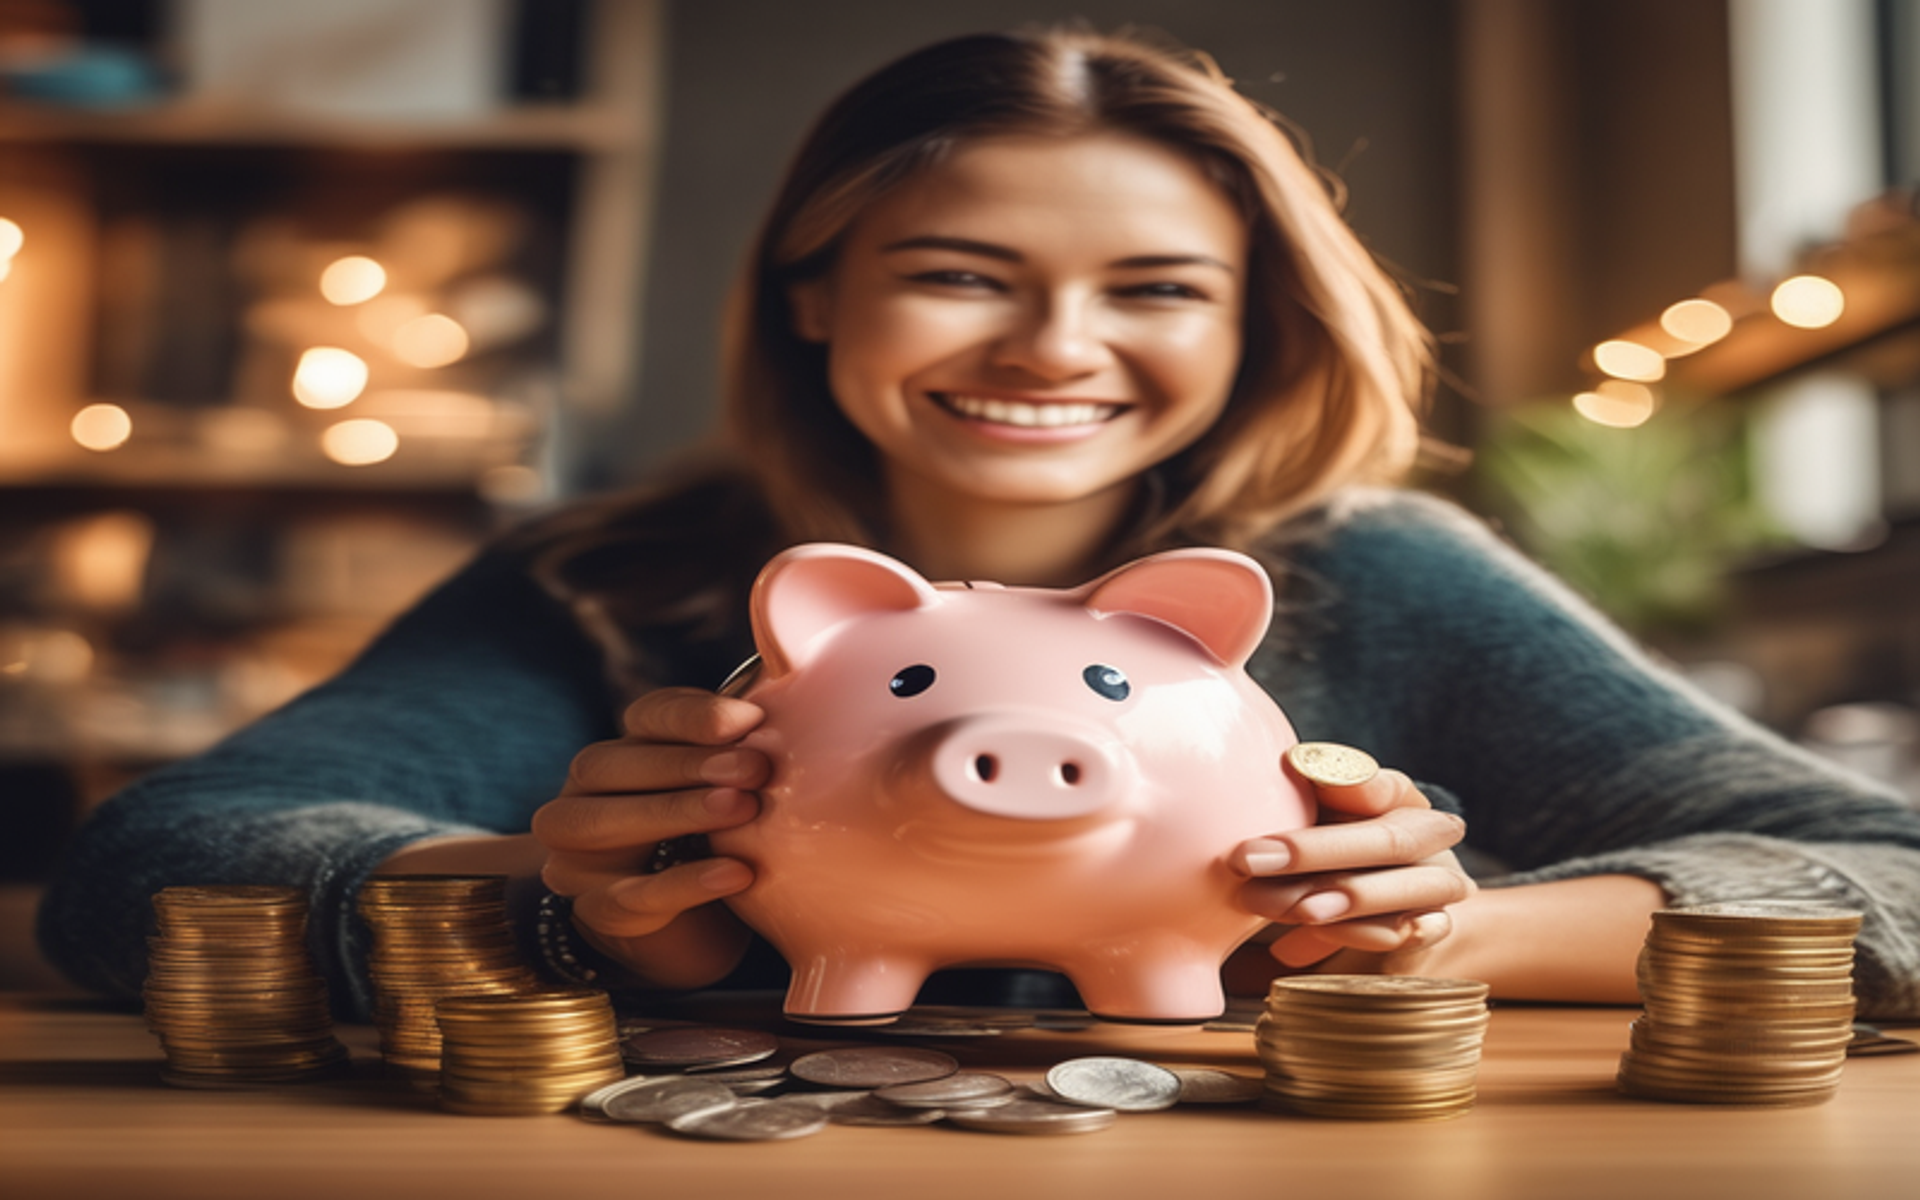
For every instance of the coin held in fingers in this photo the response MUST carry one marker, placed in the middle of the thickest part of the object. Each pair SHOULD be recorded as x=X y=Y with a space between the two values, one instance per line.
x=1331 y=764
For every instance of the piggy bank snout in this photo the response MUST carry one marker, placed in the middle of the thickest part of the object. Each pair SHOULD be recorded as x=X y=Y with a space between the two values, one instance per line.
x=1028 y=766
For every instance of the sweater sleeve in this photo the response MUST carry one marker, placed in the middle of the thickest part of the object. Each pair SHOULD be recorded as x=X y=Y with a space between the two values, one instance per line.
x=460 y=718
x=1573 y=753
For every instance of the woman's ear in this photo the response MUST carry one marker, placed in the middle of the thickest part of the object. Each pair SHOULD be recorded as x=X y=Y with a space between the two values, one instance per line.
x=812 y=302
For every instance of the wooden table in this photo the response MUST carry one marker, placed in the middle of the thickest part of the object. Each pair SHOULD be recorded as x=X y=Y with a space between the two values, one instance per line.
x=83 y=1114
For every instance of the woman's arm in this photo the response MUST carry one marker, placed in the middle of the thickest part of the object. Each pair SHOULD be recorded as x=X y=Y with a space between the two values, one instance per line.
x=459 y=721
x=1574 y=757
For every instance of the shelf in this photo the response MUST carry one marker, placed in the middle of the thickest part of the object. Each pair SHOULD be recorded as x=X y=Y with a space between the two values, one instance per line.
x=585 y=128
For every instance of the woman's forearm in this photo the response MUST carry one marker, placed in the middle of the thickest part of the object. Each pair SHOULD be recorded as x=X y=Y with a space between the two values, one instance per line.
x=1574 y=940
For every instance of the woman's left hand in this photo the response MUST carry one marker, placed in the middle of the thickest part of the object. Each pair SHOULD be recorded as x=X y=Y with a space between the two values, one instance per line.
x=1374 y=876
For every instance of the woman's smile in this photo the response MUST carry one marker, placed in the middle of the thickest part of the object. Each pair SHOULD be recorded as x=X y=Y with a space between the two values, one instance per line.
x=1027 y=420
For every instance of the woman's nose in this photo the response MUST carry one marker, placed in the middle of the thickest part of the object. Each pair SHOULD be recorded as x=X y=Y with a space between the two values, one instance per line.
x=1056 y=339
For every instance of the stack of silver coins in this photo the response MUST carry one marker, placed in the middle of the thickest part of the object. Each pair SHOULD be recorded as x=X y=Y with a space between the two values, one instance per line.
x=1746 y=1003
x=232 y=992
x=1377 y=1047
x=435 y=936
x=528 y=1054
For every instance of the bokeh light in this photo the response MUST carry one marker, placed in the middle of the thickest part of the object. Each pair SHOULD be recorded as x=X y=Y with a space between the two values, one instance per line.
x=434 y=340
x=1697 y=322
x=1808 y=302
x=1629 y=360
x=329 y=377
x=354 y=279
x=12 y=237
x=360 y=442
x=1617 y=403
x=101 y=427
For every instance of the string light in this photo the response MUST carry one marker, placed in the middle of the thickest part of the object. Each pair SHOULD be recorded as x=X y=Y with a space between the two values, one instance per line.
x=360 y=442
x=101 y=427
x=1617 y=403
x=1629 y=360
x=1697 y=322
x=354 y=279
x=329 y=377
x=1808 y=302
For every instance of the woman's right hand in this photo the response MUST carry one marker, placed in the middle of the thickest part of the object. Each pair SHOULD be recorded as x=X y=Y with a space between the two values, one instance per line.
x=678 y=771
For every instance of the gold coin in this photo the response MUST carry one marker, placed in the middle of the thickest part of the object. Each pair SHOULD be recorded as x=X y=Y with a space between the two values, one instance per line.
x=1331 y=764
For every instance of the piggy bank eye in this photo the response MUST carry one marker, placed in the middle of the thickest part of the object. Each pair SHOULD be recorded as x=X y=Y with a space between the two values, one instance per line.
x=911 y=681
x=1110 y=682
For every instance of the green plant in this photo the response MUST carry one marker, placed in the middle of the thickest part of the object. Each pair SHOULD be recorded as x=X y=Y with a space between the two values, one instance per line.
x=1645 y=521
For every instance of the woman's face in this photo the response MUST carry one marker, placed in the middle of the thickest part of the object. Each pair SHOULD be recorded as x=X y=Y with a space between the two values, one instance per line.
x=1035 y=320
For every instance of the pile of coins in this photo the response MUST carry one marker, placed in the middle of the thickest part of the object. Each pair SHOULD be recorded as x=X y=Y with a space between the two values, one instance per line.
x=745 y=1085
x=1745 y=1004
x=231 y=990
x=435 y=936
x=526 y=1055
x=1377 y=1047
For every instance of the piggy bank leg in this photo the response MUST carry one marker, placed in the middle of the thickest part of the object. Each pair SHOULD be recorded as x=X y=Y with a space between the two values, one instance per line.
x=853 y=989
x=1173 y=987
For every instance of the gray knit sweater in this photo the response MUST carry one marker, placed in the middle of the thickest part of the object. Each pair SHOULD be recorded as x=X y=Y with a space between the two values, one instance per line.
x=1420 y=637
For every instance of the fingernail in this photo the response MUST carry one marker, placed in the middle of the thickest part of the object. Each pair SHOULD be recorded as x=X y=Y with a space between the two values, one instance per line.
x=1323 y=906
x=727 y=804
x=725 y=876
x=729 y=766
x=1266 y=861
x=633 y=899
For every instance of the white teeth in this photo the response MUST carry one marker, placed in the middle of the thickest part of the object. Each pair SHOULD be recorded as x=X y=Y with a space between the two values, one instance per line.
x=1031 y=416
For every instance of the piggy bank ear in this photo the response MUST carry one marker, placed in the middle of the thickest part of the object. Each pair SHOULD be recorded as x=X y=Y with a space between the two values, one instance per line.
x=808 y=591
x=1221 y=599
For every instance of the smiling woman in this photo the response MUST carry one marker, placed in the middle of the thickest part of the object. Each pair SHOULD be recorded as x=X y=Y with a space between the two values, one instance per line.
x=1028 y=306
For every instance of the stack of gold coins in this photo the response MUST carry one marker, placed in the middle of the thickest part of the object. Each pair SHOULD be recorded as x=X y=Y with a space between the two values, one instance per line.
x=528 y=1054
x=1379 y=1047
x=232 y=991
x=1746 y=1003
x=435 y=936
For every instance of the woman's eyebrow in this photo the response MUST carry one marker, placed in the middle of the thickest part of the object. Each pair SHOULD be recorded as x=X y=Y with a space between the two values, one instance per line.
x=1009 y=254
x=1173 y=260
x=963 y=245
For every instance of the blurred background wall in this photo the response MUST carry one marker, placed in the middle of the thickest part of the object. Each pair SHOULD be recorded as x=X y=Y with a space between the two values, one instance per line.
x=299 y=303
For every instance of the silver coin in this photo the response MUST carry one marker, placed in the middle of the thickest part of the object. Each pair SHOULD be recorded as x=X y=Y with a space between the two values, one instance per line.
x=698 y=1046
x=754 y=1121
x=828 y=1101
x=661 y=1100
x=753 y=1087
x=750 y=1073
x=1034 y=1117
x=593 y=1104
x=868 y=1110
x=1203 y=1085
x=962 y=1089
x=1126 y=1084
x=873 y=1066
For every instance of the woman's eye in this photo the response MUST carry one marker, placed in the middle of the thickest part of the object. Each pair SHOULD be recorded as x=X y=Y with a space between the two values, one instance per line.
x=1109 y=682
x=956 y=279
x=1163 y=291
x=911 y=681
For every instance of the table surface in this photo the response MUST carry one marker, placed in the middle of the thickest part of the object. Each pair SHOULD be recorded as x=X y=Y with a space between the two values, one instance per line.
x=83 y=1114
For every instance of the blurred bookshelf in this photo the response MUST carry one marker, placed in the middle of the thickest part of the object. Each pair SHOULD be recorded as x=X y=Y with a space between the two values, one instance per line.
x=222 y=469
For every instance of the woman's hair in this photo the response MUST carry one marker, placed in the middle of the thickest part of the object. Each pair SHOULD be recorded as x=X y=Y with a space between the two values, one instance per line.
x=1336 y=366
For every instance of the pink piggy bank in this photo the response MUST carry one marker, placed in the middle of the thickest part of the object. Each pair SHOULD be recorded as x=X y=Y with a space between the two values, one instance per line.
x=977 y=774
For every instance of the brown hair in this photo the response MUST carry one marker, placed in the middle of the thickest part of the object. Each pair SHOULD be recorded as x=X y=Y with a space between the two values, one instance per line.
x=1336 y=366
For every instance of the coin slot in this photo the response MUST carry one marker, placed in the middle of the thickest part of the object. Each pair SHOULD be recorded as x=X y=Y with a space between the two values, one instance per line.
x=985 y=767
